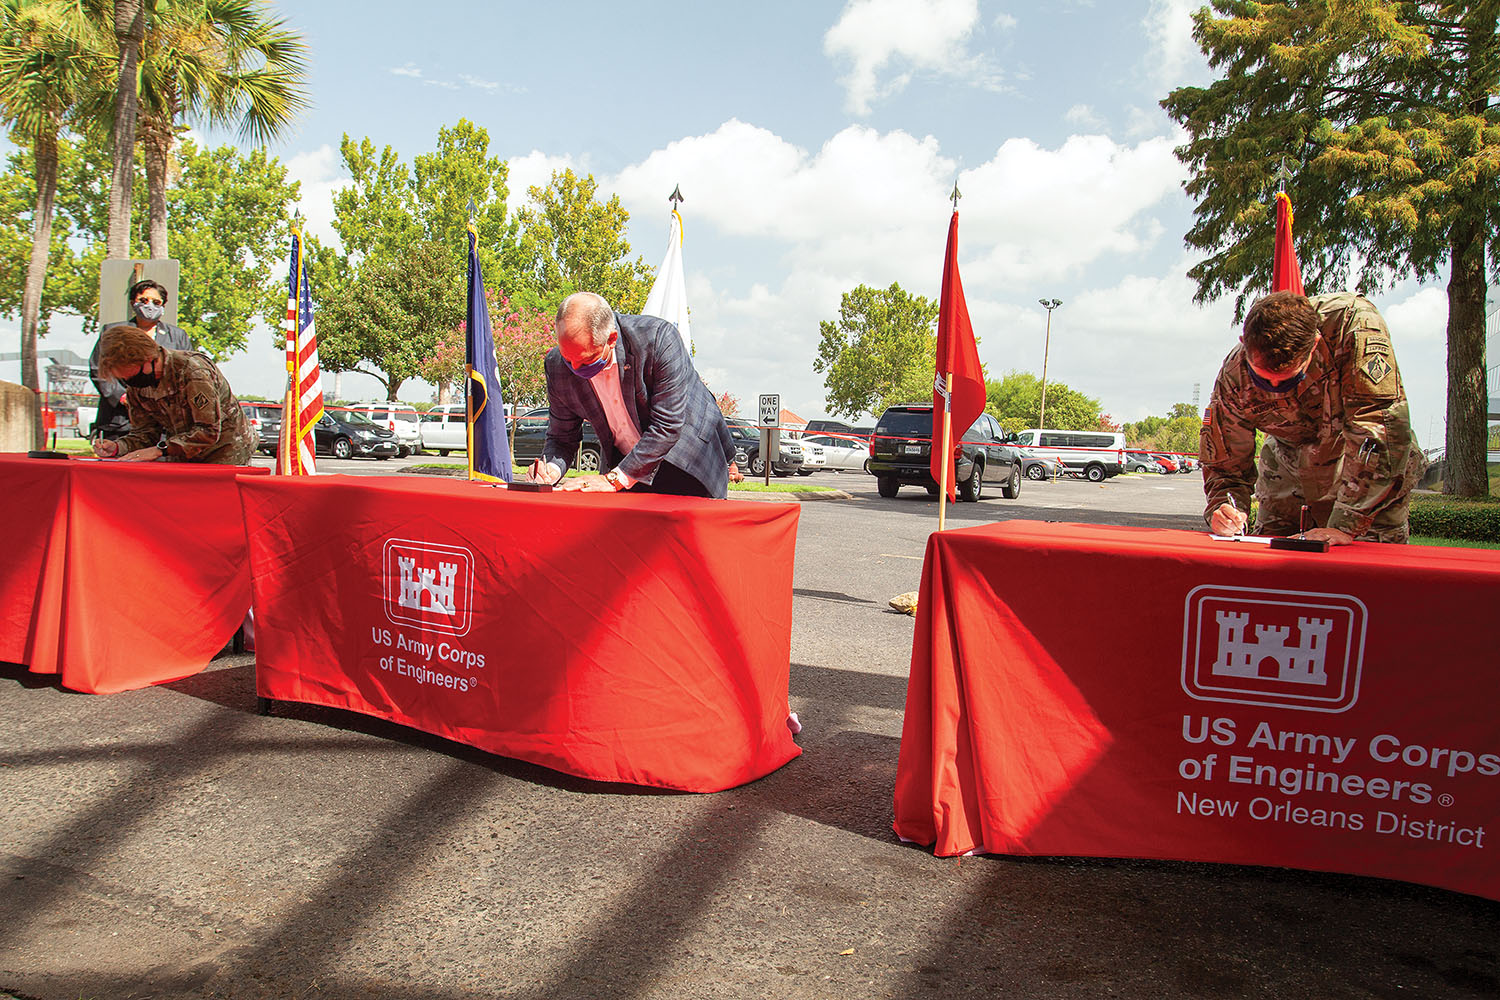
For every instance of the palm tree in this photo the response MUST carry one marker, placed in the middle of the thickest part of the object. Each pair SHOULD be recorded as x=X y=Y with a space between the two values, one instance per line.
x=218 y=62
x=130 y=29
x=46 y=62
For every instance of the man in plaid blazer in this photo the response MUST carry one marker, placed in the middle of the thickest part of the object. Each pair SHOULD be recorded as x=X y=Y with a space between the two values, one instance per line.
x=632 y=379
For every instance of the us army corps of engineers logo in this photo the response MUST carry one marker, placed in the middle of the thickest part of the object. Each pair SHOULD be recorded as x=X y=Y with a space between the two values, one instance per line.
x=428 y=585
x=1278 y=648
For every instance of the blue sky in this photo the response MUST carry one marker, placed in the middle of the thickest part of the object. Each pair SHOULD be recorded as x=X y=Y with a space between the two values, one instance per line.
x=816 y=144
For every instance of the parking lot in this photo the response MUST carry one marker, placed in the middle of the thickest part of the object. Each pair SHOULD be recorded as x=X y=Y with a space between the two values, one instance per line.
x=172 y=843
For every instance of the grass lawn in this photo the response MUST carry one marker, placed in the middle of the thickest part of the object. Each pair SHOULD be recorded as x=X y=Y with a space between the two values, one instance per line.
x=1454 y=543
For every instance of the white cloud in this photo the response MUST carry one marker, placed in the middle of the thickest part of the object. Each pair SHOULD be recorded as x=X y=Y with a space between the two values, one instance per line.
x=320 y=172
x=1083 y=116
x=478 y=84
x=870 y=207
x=534 y=169
x=877 y=36
x=1173 y=58
x=410 y=69
x=445 y=84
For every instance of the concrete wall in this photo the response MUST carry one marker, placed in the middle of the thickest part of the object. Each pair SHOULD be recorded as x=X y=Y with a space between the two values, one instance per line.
x=18 y=406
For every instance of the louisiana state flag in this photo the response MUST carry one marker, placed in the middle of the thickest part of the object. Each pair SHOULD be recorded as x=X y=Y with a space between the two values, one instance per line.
x=489 y=448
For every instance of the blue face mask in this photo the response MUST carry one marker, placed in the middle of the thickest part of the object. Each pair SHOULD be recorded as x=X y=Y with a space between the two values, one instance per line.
x=1286 y=386
x=595 y=367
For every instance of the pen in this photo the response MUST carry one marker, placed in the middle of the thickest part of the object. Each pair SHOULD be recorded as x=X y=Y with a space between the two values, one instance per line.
x=1239 y=528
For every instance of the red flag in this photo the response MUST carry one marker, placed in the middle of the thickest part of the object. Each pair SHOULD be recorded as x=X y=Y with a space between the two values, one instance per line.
x=957 y=358
x=1286 y=276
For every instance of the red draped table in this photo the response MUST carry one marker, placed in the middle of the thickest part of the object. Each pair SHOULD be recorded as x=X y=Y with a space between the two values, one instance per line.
x=1130 y=692
x=638 y=639
x=118 y=575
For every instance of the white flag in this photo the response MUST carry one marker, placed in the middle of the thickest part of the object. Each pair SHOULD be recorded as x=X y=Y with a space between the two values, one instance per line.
x=668 y=298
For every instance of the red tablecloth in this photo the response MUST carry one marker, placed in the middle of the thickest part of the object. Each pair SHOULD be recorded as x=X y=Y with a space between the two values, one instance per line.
x=620 y=638
x=1128 y=692
x=118 y=575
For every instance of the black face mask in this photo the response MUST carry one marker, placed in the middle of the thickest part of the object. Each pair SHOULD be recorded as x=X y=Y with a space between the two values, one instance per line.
x=1286 y=386
x=140 y=380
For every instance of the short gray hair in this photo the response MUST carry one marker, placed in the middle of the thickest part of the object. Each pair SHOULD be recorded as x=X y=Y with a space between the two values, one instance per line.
x=593 y=310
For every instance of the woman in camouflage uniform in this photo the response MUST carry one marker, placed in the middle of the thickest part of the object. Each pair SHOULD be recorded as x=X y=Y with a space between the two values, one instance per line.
x=181 y=407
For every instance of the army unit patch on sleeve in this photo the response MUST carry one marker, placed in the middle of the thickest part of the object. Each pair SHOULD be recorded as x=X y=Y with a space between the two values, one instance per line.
x=200 y=400
x=1376 y=368
x=1208 y=415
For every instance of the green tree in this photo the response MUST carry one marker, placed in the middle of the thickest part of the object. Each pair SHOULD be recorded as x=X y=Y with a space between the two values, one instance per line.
x=130 y=30
x=223 y=63
x=228 y=215
x=76 y=243
x=1016 y=401
x=446 y=182
x=881 y=351
x=1388 y=107
x=1177 y=432
x=46 y=58
x=387 y=323
x=572 y=242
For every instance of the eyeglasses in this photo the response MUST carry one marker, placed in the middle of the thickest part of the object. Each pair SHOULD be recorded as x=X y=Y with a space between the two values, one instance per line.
x=142 y=298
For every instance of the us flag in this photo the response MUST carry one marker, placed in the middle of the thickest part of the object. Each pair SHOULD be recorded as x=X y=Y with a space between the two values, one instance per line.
x=304 y=396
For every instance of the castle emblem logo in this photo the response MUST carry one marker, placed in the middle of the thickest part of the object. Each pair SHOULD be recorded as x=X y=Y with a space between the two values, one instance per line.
x=1278 y=648
x=428 y=585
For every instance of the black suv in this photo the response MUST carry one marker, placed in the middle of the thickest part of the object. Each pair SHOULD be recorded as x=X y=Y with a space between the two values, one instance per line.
x=901 y=454
x=531 y=436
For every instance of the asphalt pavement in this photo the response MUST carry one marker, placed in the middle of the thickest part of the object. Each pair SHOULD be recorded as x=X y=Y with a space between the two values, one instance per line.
x=173 y=843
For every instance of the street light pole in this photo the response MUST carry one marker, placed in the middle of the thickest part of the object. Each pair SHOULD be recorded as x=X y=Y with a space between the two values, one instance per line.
x=1049 y=305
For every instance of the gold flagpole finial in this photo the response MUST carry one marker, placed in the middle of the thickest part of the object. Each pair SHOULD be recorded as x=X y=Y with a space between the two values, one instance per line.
x=955 y=195
x=676 y=197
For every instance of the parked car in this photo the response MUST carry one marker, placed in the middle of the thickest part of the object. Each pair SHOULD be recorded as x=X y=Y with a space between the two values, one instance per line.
x=900 y=454
x=345 y=434
x=1140 y=461
x=842 y=453
x=531 y=436
x=789 y=458
x=1038 y=467
x=1186 y=463
x=398 y=418
x=444 y=428
x=1099 y=454
x=265 y=421
x=746 y=434
x=1166 y=463
x=813 y=457
x=746 y=441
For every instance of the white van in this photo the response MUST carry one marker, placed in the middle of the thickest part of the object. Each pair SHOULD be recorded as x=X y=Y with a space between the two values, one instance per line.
x=1099 y=454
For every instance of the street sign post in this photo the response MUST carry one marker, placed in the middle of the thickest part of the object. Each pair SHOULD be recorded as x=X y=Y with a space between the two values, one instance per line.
x=770 y=434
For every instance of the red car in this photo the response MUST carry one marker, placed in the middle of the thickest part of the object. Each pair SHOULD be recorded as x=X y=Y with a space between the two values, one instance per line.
x=1167 y=464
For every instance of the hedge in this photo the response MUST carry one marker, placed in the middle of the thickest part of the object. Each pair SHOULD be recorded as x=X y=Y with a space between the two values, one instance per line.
x=1439 y=516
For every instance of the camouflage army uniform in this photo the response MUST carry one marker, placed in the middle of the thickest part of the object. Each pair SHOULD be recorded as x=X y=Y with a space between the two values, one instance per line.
x=1340 y=442
x=195 y=409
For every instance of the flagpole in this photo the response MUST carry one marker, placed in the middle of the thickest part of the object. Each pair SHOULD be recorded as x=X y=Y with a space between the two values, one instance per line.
x=944 y=386
x=473 y=238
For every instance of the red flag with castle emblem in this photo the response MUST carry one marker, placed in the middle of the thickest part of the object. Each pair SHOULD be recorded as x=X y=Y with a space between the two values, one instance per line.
x=958 y=360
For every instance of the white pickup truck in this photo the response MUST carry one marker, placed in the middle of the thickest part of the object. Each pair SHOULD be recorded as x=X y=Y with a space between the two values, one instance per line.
x=443 y=428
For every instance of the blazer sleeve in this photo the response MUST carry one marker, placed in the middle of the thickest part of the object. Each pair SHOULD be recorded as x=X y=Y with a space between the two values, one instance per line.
x=565 y=423
x=669 y=377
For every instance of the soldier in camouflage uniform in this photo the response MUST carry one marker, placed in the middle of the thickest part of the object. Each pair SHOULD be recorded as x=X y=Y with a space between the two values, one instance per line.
x=1319 y=377
x=177 y=395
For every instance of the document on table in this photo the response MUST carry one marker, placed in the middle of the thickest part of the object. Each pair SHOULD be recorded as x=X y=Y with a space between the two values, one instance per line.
x=1255 y=539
